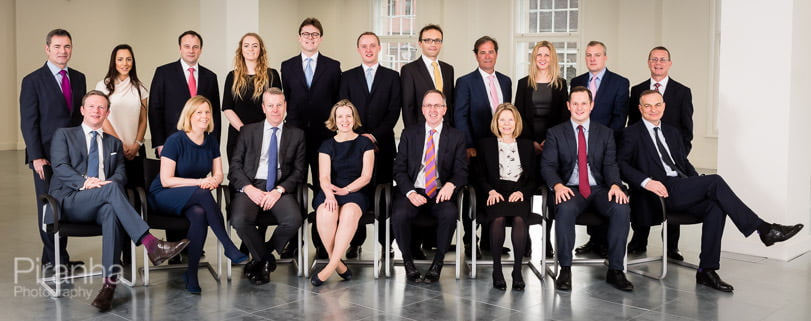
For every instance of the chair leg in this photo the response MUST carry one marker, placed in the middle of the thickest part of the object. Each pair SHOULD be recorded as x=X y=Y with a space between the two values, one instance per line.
x=387 y=256
x=146 y=267
x=228 y=266
x=376 y=256
x=474 y=240
x=305 y=260
x=299 y=266
x=459 y=249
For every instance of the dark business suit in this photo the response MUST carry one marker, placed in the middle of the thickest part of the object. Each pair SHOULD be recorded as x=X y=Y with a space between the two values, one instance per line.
x=416 y=80
x=472 y=110
x=107 y=205
x=678 y=111
x=611 y=101
x=43 y=109
x=451 y=168
x=169 y=93
x=708 y=197
x=557 y=166
x=292 y=172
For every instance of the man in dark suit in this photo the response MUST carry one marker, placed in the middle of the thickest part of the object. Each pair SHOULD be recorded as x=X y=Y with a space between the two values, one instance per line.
x=375 y=92
x=267 y=151
x=49 y=99
x=311 y=81
x=88 y=182
x=610 y=92
x=579 y=164
x=679 y=113
x=654 y=162
x=174 y=83
x=429 y=168
x=425 y=73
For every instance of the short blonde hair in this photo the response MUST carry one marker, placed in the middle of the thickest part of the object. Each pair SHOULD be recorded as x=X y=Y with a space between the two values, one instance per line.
x=184 y=122
x=519 y=124
x=331 y=125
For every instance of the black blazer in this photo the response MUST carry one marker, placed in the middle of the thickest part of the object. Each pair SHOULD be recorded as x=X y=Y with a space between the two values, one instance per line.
x=678 y=110
x=43 y=109
x=243 y=165
x=489 y=165
x=450 y=158
x=559 y=155
x=416 y=81
x=639 y=159
x=472 y=112
x=69 y=161
x=308 y=108
x=611 y=103
x=525 y=106
x=169 y=93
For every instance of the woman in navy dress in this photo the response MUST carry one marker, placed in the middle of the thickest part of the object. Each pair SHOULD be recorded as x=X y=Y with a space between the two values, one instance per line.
x=184 y=187
x=345 y=164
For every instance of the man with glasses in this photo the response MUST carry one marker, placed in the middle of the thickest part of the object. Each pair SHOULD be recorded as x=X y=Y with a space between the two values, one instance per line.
x=310 y=81
x=425 y=73
x=679 y=113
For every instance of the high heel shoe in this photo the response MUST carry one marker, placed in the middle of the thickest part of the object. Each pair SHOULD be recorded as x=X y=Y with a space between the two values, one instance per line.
x=518 y=281
x=347 y=275
x=193 y=289
x=498 y=280
x=315 y=280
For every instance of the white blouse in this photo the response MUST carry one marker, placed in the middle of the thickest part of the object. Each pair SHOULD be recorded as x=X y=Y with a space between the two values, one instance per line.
x=125 y=107
x=509 y=164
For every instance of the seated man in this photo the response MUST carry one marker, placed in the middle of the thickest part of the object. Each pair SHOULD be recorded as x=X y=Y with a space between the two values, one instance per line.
x=267 y=167
x=429 y=168
x=88 y=181
x=653 y=158
x=584 y=175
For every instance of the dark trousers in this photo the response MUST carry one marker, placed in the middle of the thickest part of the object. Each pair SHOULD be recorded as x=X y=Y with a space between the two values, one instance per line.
x=48 y=252
x=619 y=216
x=404 y=213
x=244 y=213
x=710 y=198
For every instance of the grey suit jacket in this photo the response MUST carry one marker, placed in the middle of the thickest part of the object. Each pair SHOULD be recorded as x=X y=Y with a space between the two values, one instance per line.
x=560 y=155
x=291 y=157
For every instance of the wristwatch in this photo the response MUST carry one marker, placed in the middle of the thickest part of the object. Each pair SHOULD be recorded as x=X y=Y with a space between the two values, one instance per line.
x=280 y=189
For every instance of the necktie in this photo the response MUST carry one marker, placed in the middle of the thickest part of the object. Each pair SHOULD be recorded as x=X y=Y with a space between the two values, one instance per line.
x=665 y=155
x=93 y=156
x=437 y=76
x=369 y=78
x=308 y=72
x=593 y=87
x=430 y=166
x=192 y=83
x=582 y=164
x=66 y=91
x=657 y=86
x=493 y=92
x=272 y=160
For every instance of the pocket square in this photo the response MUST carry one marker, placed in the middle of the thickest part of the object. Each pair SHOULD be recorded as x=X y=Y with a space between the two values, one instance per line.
x=113 y=153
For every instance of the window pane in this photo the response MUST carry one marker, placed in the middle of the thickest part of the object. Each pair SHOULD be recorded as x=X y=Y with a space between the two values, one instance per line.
x=546 y=22
x=560 y=21
x=533 y=22
x=561 y=4
x=533 y=4
x=573 y=21
x=546 y=4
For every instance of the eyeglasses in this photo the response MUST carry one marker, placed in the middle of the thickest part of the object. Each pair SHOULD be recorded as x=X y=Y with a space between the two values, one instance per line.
x=311 y=35
x=655 y=60
x=431 y=41
x=435 y=106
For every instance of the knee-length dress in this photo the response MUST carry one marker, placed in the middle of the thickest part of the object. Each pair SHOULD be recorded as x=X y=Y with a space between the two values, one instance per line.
x=507 y=168
x=346 y=165
x=191 y=161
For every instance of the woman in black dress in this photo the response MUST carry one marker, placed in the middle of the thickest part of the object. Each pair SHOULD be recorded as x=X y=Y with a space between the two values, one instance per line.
x=509 y=167
x=345 y=165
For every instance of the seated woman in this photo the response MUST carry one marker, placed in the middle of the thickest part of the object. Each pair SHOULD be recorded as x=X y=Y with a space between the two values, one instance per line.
x=184 y=187
x=345 y=164
x=509 y=164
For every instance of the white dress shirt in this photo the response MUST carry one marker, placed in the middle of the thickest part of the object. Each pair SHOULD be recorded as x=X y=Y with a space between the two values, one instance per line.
x=427 y=61
x=574 y=180
x=662 y=84
x=99 y=141
x=669 y=171
x=262 y=170
x=304 y=61
x=486 y=79
x=186 y=72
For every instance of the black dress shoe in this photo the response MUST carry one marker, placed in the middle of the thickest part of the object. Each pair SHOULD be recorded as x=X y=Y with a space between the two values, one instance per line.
x=412 y=274
x=165 y=250
x=263 y=273
x=271 y=262
x=586 y=248
x=433 y=272
x=711 y=279
x=347 y=275
x=315 y=280
x=618 y=280
x=675 y=255
x=779 y=233
x=104 y=300
x=498 y=279
x=564 y=279
x=250 y=269
x=321 y=253
x=518 y=281
x=352 y=252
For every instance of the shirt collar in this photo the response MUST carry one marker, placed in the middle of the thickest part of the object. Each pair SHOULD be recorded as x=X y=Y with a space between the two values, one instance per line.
x=86 y=130
x=438 y=128
x=54 y=69
x=600 y=74
x=485 y=74
x=314 y=57
x=187 y=66
x=650 y=125
x=428 y=61
x=663 y=82
x=585 y=125
x=268 y=126
x=374 y=67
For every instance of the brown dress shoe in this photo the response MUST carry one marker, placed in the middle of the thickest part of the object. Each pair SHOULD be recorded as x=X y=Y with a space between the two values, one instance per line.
x=104 y=300
x=166 y=250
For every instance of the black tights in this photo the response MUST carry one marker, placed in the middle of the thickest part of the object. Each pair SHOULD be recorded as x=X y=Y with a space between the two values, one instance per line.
x=519 y=239
x=202 y=211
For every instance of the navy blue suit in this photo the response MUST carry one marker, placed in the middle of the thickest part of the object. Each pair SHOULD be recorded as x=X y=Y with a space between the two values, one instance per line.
x=611 y=101
x=472 y=111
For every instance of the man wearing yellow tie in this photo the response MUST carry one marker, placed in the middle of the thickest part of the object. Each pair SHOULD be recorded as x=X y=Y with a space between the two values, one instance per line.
x=427 y=72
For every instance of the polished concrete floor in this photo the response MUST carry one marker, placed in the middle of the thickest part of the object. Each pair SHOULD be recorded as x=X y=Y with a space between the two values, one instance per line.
x=764 y=289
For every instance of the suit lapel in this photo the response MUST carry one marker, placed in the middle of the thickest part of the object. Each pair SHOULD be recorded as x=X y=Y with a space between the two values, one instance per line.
x=107 y=153
x=480 y=89
x=375 y=80
x=423 y=71
x=53 y=86
x=180 y=77
x=283 y=144
x=571 y=141
x=650 y=145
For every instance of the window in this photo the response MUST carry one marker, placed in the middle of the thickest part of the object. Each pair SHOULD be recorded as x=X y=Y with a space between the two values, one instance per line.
x=553 y=20
x=395 y=25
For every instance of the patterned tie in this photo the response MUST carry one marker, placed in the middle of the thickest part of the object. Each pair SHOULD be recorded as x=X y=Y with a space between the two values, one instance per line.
x=657 y=86
x=493 y=92
x=369 y=79
x=593 y=87
x=66 y=90
x=665 y=155
x=308 y=72
x=93 y=156
x=192 y=83
x=430 y=166
x=437 y=76
x=272 y=160
x=582 y=163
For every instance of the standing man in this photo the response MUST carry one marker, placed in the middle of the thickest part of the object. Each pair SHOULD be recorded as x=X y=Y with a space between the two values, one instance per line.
x=429 y=169
x=267 y=167
x=425 y=73
x=50 y=98
x=579 y=165
x=375 y=92
x=610 y=93
x=679 y=113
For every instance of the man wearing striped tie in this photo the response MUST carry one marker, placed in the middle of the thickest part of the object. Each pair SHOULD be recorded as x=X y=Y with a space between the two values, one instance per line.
x=429 y=168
